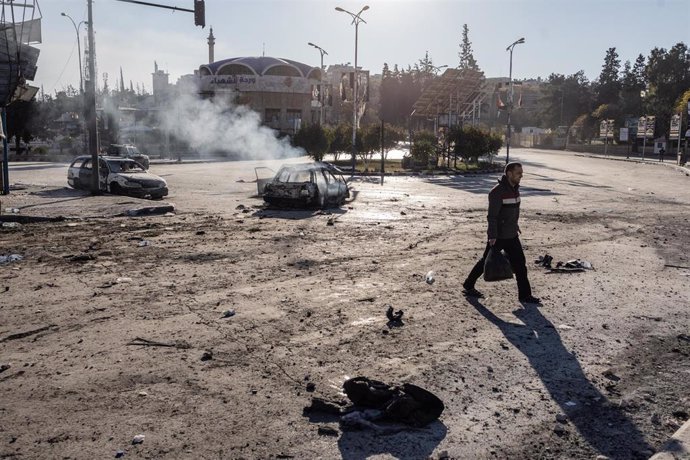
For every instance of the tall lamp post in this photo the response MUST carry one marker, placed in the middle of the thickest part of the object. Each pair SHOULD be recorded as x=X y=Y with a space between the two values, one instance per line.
x=322 y=51
x=76 y=29
x=510 y=103
x=356 y=19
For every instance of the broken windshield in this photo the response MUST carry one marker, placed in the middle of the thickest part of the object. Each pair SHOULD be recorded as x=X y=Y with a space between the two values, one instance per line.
x=118 y=166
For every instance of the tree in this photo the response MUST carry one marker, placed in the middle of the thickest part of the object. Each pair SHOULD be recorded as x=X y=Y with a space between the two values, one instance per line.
x=423 y=147
x=470 y=143
x=609 y=85
x=313 y=139
x=668 y=76
x=467 y=60
x=565 y=99
x=632 y=83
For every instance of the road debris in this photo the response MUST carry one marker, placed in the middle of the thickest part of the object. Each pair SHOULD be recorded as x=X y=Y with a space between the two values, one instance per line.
x=394 y=319
x=10 y=258
x=138 y=439
x=228 y=314
x=430 y=277
x=151 y=343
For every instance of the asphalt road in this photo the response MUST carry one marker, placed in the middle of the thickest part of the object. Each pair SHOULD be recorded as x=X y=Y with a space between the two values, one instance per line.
x=219 y=186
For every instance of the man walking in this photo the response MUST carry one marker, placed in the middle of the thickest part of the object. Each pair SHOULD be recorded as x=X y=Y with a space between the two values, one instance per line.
x=503 y=230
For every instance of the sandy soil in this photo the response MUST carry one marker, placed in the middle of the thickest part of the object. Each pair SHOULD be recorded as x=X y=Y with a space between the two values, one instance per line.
x=607 y=354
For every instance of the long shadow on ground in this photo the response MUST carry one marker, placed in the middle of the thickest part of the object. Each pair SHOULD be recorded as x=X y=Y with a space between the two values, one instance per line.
x=604 y=427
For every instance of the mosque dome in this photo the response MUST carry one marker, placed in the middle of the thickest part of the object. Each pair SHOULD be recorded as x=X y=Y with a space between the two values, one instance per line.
x=260 y=66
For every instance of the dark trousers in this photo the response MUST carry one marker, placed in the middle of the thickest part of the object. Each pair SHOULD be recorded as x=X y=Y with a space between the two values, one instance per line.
x=513 y=249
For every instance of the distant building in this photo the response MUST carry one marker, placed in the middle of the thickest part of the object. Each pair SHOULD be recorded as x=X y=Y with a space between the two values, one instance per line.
x=284 y=92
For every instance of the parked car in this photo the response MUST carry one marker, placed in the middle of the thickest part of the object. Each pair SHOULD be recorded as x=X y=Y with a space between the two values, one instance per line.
x=128 y=151
x=120 y=176
x=307 y=184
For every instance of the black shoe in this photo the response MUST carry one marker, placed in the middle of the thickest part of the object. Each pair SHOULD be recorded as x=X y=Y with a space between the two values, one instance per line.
x=472 y=292
x=531 y=299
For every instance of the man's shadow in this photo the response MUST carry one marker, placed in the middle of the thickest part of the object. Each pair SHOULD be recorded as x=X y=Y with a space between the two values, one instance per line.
x=605 y=427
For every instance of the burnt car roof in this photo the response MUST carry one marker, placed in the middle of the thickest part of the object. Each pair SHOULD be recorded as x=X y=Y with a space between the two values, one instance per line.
x=312 y=166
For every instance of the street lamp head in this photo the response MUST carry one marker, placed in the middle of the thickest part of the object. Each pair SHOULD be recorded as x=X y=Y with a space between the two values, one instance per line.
x=366 y=7
x=522 y=40
x=337 y=8
x=311 y=44
x=63 y=14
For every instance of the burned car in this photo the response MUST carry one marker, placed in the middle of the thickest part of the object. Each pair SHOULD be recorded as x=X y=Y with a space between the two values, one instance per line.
x=120 y=176
x=308 y=184
x=129 y=151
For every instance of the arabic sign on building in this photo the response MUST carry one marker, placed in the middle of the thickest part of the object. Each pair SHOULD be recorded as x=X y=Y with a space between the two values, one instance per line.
x=265 y=83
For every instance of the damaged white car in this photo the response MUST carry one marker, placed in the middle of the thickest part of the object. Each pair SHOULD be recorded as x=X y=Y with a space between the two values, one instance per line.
x=308 y=184
x=120 y=176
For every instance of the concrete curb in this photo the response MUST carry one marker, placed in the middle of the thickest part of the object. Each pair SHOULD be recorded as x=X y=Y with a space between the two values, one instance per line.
x=678 y=447
x=684 y=169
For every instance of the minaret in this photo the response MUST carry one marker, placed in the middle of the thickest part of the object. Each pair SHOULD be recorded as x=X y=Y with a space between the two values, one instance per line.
x=211 y=43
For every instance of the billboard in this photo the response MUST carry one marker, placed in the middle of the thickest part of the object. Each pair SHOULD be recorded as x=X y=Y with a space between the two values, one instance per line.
x=675 y=126
x=645 y=126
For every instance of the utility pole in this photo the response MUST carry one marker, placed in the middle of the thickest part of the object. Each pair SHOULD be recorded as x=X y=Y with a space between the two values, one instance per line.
x=90 y=106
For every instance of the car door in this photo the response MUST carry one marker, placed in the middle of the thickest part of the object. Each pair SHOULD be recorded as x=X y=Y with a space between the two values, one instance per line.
x=104 y=172
x=85 y=174
x=336 y=194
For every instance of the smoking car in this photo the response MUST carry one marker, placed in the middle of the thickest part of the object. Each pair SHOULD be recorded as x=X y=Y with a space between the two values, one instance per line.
x=129 y=151
x=120 y=176
x=307 y=184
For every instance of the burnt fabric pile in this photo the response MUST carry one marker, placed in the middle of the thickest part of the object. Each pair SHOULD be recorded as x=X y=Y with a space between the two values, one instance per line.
x=408 y=404
x=375 y=402
x=574 y=265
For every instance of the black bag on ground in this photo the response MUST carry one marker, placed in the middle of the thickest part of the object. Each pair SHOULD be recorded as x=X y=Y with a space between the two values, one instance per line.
x=497 y=266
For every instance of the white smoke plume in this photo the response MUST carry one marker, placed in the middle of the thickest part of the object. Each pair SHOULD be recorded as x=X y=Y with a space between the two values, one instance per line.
x=215 y=126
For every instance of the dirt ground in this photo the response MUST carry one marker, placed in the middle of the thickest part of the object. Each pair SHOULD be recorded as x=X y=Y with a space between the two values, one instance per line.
x=601 y=369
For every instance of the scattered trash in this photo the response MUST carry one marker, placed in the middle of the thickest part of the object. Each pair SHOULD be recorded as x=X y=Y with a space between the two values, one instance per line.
x=560 y=431
x=119 y=454
x=228 y=313
x=4 y=367
x=143 y=393
x=10 y=258
x=82 y=257
x=544 y=261
x=240 y=207
x=11 y=225
x=564 y=327
x=12 y=210
x=403 y=213
x=138 y=439
x=123 y=279
x=608 y=373
x=330 y=221
x=327 y=431
x=394 y=319
x=561 y=418
x=143 y=243
x=430 y=277
x=200 y=232
x=571 y=404
x=311 y=386
x=207 y=356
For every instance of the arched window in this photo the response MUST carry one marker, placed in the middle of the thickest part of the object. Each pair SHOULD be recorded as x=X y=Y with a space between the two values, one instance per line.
x=204 y=72
x=283 y=71
x=235 y=69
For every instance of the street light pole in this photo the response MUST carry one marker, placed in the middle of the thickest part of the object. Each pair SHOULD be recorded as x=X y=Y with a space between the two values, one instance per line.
x=356 y=19
x=76 y=29
x=510 y=103
x=321 y=93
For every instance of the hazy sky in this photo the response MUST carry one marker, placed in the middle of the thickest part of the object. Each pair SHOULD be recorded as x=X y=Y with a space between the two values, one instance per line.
x=561 y=36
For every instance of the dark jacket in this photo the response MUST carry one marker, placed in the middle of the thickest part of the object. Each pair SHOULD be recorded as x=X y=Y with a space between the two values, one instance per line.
x=504 y=210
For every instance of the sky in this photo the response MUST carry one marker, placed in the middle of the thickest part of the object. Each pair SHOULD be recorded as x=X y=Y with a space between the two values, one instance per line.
x=560 y=36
